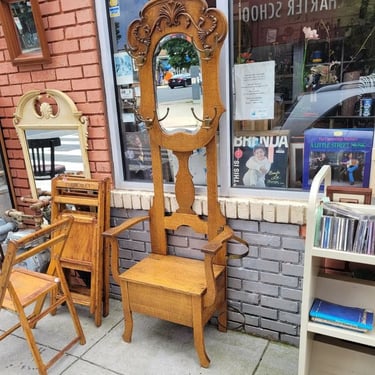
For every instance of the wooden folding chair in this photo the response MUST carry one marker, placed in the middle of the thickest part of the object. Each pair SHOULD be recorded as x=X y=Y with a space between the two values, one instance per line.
x=22 y=289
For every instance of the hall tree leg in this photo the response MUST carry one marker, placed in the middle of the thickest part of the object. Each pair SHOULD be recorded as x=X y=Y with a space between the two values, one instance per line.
x=128 y=321
x=198 y=329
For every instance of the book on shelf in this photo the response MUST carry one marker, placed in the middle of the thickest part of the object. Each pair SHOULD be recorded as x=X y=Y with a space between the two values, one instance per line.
x=349 y=317
x=346 y=229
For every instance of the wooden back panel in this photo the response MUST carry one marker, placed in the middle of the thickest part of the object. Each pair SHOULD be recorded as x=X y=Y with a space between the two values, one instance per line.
x=206 y=28
x=89 y=199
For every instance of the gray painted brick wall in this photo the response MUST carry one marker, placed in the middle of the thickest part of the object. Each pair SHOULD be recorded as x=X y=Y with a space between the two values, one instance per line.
x=264 y=288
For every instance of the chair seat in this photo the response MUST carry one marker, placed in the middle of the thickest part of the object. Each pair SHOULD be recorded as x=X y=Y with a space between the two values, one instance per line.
x=47 y=173
x=171 y=272
x=30 y=285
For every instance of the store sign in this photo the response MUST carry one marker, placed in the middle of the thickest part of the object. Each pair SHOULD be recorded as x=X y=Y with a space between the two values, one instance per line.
x=271 y=10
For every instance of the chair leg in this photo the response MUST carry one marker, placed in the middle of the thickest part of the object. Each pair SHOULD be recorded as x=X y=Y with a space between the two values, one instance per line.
x=128 y=316
x=67 y=297
x=222 y=317
x=198 y=329
x=42 y=369
x=39 y=306
x=98 y=297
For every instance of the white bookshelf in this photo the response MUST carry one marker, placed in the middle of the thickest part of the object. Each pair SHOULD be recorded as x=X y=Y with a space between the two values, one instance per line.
x=327 y=350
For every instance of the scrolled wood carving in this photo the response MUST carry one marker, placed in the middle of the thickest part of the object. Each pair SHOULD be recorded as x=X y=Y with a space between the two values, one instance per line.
x=159 y=18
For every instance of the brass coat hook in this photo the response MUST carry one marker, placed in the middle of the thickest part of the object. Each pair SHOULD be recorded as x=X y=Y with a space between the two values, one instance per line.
x=206 y=121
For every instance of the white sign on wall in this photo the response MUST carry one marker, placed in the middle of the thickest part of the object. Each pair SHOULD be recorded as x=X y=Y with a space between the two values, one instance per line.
x=255 y=90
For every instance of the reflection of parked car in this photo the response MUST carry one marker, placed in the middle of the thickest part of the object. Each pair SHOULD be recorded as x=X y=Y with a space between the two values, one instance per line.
x=331 y=107
x=314 y=106
x=183 y=80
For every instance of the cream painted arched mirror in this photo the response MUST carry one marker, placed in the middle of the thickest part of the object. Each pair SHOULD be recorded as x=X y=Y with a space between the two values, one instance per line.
x=51 y=114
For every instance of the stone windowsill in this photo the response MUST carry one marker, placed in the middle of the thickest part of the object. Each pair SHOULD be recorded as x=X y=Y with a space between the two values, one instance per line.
x=271 y=210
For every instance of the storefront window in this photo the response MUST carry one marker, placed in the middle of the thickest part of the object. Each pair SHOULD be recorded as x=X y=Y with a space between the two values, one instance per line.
x=303 y=92
x=176 y=67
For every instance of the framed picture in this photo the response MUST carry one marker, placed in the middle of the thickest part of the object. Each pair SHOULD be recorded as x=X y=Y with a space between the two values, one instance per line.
x=271 y=35
x=24 y=32
x=349 y=194
x=296 y=164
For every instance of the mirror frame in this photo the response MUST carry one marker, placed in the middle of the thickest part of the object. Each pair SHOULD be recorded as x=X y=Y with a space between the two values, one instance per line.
x=17 y=56
x=67 y=117
x=6 y=169
x=207 y=29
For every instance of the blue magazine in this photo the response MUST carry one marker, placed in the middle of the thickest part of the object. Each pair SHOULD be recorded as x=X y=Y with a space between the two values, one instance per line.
x=342 y=316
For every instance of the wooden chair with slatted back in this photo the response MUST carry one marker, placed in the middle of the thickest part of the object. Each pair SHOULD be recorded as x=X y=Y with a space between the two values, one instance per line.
x=24 y=292
x=178 y=289
x=42 y=156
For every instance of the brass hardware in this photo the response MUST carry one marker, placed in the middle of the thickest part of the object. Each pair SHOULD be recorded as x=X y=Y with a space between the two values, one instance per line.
x=206 y=121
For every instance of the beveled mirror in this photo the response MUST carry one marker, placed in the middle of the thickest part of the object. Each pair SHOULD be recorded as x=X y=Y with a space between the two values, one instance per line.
x=178 y=84
x=51 y=117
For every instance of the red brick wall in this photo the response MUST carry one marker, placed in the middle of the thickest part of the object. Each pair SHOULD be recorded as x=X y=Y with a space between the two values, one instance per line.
x=74 y=69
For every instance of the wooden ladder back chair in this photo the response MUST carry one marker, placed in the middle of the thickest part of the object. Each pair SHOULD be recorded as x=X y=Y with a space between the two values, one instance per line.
x=21 y=288
x=173 y=288
x=42 y=155
x=87 y=200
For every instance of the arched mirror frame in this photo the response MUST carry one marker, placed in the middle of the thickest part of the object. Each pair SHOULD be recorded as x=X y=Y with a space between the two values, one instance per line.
x=206 y=28
x=7 y=183
x=67 y=117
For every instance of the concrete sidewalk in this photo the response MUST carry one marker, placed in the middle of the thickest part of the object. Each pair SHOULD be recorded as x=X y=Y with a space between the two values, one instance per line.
x=157 y=348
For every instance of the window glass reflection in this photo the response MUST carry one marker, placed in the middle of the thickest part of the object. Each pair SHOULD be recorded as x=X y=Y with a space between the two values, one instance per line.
x=297 y=68
x=25 y=26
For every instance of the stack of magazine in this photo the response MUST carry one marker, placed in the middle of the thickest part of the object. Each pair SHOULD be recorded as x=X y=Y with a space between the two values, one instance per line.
x=353 y=318
x=346 y=229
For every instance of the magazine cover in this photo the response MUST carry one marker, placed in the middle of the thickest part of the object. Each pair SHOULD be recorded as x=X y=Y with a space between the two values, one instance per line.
x=347 y=151
x=260 y=159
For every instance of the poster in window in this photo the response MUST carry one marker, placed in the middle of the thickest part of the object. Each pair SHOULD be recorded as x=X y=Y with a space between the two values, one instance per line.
x=260 y=159
x=123 y=68
x=138 y=155
x=347 y=151
x=255 y=90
